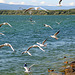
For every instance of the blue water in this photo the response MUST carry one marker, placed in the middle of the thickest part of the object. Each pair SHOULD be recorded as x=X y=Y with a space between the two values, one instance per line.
x=25 y=33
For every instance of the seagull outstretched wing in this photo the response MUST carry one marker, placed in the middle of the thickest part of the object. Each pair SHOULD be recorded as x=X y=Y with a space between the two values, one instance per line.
x=56 y=33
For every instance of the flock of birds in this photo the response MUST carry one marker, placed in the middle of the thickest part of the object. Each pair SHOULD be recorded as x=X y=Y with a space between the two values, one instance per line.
x=39 y=45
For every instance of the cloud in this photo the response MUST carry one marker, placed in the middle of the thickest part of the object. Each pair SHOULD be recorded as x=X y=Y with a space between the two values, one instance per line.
x=72 y=3
x=21 y=3
x=43 y=2
x=2 y=1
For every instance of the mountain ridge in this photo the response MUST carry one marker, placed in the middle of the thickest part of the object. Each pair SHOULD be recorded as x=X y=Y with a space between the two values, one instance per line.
x=4 y=6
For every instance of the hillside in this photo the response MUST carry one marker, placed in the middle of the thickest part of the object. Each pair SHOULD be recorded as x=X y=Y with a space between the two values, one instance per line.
x=38 y=12
x=16 y=7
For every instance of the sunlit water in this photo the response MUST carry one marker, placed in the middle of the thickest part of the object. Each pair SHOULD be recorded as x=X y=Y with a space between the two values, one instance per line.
x=25 y=33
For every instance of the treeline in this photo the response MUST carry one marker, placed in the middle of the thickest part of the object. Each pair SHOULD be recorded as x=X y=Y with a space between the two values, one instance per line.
x=38 y=12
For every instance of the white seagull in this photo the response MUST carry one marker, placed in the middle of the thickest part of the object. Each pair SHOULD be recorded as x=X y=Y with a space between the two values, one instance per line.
x=42 y=45
x=5 y=23
x=35 y=8
x=26 y=68
x=54 y=36
x=58 y=22
x=27 y=51
x=2 y=34
x=48 y=26
x=7 y=44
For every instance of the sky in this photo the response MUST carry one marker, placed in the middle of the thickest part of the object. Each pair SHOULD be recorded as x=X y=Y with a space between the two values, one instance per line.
x=39 y=2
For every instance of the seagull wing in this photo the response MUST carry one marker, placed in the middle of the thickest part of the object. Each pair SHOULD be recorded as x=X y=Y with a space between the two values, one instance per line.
x=60 y=1
x=29 y=9
x=31 y=66
x=44 y=41
x=56 y=33
x=29 y=48
x=40 y=48
x=29 y=53
x=2 y=46
x=38 y=43
x=50 y=27
x=1 y=24
x=11 y=47
x=43 y=8
x=9 y=24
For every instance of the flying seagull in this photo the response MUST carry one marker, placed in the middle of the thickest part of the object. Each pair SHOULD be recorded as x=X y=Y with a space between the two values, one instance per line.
x=58 y=22
x=42 y=45
x=5 y=23
x=2 y=34
x=35 y=8
x=27 y=51
x=60 y=2
x=54 y=36
x=48 y=26
x=7 y=44
x=26 y=68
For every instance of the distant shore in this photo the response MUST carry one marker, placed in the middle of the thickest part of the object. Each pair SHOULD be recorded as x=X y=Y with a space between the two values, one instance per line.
x=38 y=12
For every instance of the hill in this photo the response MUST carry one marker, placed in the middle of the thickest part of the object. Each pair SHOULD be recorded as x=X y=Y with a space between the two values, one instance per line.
x=16 y=7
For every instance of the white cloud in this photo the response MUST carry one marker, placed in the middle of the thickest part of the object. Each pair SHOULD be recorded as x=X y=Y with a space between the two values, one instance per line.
x=72 y=3
x=21 y=3
x=2 y=1
x=43 y=2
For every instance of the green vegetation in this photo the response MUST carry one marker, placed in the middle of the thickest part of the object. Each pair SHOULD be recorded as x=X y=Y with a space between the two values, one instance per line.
x=38 y=12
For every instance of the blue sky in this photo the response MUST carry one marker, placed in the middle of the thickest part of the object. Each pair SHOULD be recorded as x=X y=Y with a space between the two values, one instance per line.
x=40 y=2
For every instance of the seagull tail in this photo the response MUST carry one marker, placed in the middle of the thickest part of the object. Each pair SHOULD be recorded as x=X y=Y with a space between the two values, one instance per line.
x=45 y=45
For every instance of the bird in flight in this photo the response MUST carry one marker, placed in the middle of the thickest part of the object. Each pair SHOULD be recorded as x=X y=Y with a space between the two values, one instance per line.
x=7 y=44
x=42 y=45
x=26 y=68
x=2 y=34
x=27 y=51
x=54 y=36
x=58 y=22
x=5 y=23
x=60 y=2
x=48 y=26
x=35 y=8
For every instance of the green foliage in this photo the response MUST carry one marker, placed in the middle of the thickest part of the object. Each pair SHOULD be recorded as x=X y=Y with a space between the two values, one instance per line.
x=38 y=12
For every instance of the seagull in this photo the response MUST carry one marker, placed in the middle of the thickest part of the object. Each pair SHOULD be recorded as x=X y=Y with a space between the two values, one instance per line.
x=7 y=44
x=42 y=45
x=5 y=23
x=58 y=22
x=26 y=68
x=60 y=2
x=54 y=36
x=2 y=34
x=48 y=26
x=27 y=51
x=35 y=8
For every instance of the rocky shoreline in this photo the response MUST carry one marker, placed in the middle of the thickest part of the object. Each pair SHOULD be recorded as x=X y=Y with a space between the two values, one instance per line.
x=68 y=70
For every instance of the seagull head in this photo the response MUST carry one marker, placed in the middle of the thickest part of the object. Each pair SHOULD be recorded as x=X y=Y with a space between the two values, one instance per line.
x=25 y=65
x=44 y=24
